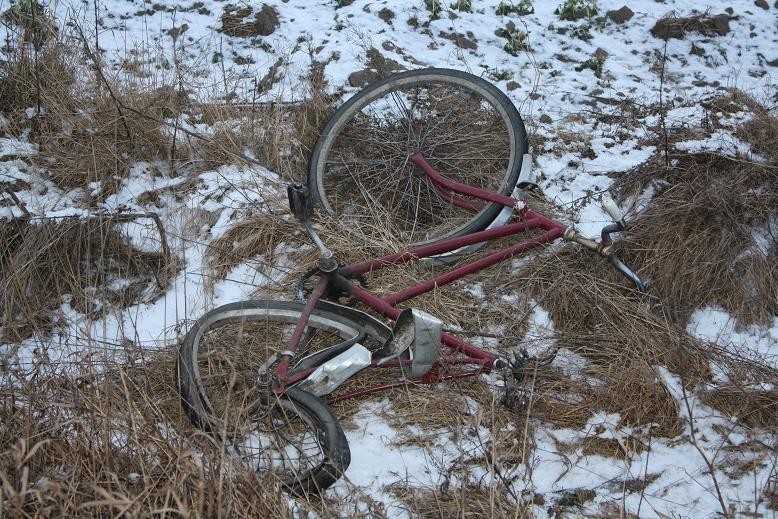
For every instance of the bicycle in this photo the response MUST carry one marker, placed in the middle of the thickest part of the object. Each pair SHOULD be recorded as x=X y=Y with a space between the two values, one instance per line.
x=376 y=166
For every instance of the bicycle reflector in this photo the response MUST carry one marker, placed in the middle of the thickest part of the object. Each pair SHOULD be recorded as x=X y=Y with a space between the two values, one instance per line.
x=299 y=201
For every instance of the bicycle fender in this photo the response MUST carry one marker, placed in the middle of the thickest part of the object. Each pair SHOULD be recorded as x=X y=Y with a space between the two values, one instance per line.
x=371 y=325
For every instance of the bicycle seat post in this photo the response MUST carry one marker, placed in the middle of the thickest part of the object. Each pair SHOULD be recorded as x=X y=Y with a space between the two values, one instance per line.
x=302 y=208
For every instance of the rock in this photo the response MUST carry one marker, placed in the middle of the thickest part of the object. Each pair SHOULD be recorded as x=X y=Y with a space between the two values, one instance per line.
x=266 y=20
x=545 y=119
x=600 y=53
x=236 y=22
x=512 y=85
x=762 y=4
x=378 y=67
x=697 y=51
x=460 y=40
x=363 y=77
x=384 y=66
x=534 y=96
x=175 y=32
x=721 y=24
x=676 y=27
x=729 y=11
x=620 y=15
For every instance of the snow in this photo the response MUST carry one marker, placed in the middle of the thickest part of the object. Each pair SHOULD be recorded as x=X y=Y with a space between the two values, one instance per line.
x=579 y=158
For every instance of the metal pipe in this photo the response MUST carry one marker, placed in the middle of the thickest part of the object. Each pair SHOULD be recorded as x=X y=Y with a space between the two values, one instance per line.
x=533 y=221
x=294 y=341
x=624 y=269
x=475 y=266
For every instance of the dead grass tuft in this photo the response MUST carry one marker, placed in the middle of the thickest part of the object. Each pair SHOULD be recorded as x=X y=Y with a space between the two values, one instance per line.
x=596 y=317
x=94 y=141
x=709 y=254
x=752 y=406
x=85 y=262
x=256 y=236
x=458 y=500
x=674 y=26
x=114 y=442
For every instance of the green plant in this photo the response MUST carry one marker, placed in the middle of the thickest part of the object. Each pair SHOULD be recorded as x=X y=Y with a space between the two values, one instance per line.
x=517 y=42
x=581 y=32
x=434 y=7
x=463 y=5
x=501 y=75
x=522 y=8
x=30 y=17
x=594 y=64
x=576 y=9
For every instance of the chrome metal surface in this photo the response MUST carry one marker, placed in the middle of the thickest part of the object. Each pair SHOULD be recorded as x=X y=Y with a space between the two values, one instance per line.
x=330 y=375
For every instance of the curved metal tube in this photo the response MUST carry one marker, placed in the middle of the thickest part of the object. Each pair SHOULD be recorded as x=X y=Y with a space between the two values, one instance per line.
x=628 y=273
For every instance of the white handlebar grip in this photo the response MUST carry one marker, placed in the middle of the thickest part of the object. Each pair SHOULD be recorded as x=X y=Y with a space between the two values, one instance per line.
x=612 y=209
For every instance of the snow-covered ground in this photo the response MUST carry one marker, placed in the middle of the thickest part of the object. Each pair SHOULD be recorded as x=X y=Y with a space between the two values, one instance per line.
x=578 y=157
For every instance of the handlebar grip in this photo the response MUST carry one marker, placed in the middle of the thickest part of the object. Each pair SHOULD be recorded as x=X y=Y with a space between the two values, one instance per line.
x=612 y=209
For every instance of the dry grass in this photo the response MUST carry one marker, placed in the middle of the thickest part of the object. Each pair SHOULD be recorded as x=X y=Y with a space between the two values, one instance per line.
x=94 y=128
x=257 y=236
x=83 y=133
x=674 y=26
x=87 y=260
x=461 y=501
x=116 y=443
x=709 y=254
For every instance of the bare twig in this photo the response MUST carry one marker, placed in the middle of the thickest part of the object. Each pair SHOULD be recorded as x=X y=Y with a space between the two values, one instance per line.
x=698 y=448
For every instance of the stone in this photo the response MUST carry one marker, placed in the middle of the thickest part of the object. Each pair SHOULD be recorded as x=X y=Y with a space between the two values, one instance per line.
x=546 y=119
x=620 y=15
x=461 y=40
x=721 y=24
x=266 y=20
x=762 y=4
x=364 y=77
x=236 y=22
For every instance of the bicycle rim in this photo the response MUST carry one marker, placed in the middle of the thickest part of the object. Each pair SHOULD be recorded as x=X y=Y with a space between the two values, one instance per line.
x=224 y=390
x=465 y=127
x=297 y=440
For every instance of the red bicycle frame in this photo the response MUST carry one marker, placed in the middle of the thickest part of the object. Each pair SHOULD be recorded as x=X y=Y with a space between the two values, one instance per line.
x=449 y=190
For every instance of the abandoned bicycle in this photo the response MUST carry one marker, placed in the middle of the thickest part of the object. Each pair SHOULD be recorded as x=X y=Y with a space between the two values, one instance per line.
x=435 y=159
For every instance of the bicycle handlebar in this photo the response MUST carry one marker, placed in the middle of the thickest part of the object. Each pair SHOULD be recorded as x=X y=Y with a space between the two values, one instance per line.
x=604 y=249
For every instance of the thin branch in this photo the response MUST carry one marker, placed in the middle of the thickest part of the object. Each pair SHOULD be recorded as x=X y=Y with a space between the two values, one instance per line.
x=708 y=462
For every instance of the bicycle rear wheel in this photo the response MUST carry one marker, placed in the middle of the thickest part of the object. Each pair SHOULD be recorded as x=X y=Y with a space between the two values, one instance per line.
x=360 y=168
x=224 y=390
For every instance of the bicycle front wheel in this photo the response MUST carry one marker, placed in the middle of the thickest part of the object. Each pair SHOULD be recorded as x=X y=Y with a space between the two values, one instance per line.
x=466 y=128
x=224 y=380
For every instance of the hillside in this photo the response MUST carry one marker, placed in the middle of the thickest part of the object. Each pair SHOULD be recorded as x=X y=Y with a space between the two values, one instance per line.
x=144 y=153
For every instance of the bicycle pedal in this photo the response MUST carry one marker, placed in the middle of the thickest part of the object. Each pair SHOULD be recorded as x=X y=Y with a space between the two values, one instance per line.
x=300 y=203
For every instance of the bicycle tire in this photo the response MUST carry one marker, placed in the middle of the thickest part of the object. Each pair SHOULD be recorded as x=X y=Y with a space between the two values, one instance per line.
x=347 y=180
x=220 y=391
